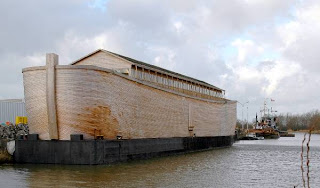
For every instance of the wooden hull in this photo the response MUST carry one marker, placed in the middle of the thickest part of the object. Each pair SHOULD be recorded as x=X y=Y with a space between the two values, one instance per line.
x=286 y=134
x=266 y=133
x=269 y=135
x=91 y=100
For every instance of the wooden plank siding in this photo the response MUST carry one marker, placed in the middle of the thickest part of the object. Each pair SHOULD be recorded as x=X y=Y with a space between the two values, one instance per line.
x=90 y=99
x=101 y=59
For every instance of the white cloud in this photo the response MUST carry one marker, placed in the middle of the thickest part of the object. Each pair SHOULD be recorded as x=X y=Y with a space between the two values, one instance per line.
x=178 y=26
x=300 y=37
x=38 y=59
x=164 y=57
x=247 y=74
x=275 y=74
x=246 y=49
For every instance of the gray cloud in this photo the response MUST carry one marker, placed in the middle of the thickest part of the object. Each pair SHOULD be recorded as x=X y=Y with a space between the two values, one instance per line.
x=271 y=45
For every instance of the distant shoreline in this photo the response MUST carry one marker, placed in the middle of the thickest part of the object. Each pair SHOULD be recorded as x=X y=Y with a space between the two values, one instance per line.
x=305 y=131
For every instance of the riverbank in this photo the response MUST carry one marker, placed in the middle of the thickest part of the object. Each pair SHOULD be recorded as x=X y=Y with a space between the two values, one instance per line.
x=305 y=131
x=9 y=133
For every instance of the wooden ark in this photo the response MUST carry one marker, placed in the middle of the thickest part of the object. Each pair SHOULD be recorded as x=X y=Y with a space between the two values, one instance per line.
x=108 y=95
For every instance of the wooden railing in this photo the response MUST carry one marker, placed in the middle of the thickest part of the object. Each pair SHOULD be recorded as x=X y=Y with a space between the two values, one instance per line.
x=177 y=84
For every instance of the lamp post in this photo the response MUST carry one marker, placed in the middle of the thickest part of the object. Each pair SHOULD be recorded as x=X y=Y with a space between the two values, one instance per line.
x=242 y=104
x=247 y=115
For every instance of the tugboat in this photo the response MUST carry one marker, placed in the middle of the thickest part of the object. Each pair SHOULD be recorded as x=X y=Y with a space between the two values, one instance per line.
x=267 y=127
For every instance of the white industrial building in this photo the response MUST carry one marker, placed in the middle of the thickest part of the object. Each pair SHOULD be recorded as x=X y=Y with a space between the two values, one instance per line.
x=10 y=109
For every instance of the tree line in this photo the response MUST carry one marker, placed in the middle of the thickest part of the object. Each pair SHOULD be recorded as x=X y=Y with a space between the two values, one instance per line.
x=294 y=122
x=297 y=122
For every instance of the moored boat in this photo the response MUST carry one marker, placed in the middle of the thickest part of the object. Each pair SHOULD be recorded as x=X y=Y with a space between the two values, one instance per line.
x=267 y=126
x=252 y=136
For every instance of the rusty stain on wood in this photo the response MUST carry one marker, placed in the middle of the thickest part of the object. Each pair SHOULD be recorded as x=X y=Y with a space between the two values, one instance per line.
x=99 y=118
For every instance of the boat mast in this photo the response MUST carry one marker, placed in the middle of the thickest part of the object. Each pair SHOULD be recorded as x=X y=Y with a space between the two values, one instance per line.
x=264 y=108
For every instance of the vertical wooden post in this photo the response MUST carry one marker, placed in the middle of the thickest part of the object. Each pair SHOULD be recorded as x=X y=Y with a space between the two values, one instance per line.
x=190 y=121
x=182 y=85
x=51 y=61
x=143 y=75
x=157 y=78
x=136 y=73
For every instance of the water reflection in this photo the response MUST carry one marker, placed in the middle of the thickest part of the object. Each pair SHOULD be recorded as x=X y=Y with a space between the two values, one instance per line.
x=267 y=163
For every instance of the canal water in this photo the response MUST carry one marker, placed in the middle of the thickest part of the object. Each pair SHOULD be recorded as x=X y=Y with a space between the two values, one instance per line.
x=261 y=163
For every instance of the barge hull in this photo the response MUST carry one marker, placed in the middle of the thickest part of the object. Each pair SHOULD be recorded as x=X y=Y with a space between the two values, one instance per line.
x=95 y=152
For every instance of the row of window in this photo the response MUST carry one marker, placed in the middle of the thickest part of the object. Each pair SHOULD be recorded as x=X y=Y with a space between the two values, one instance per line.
x=175 y=83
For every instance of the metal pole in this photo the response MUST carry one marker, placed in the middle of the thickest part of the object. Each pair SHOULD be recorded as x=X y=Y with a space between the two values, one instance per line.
x=247 y=117
x=242 y=125
x=242 y=117
x=264 y=108
x=241 y=114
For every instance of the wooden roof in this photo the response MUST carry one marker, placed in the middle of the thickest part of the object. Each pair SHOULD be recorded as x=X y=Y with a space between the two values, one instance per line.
x=136 y=62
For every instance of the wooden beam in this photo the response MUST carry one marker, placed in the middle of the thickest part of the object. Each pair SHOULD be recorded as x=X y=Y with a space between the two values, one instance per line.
x=52 y=61
x=136 y=73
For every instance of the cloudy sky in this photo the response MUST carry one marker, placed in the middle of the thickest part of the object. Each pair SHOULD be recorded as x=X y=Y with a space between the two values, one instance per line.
x=254 y=49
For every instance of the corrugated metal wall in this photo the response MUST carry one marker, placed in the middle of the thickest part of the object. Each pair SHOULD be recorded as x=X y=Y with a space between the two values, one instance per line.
x=9 y=109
